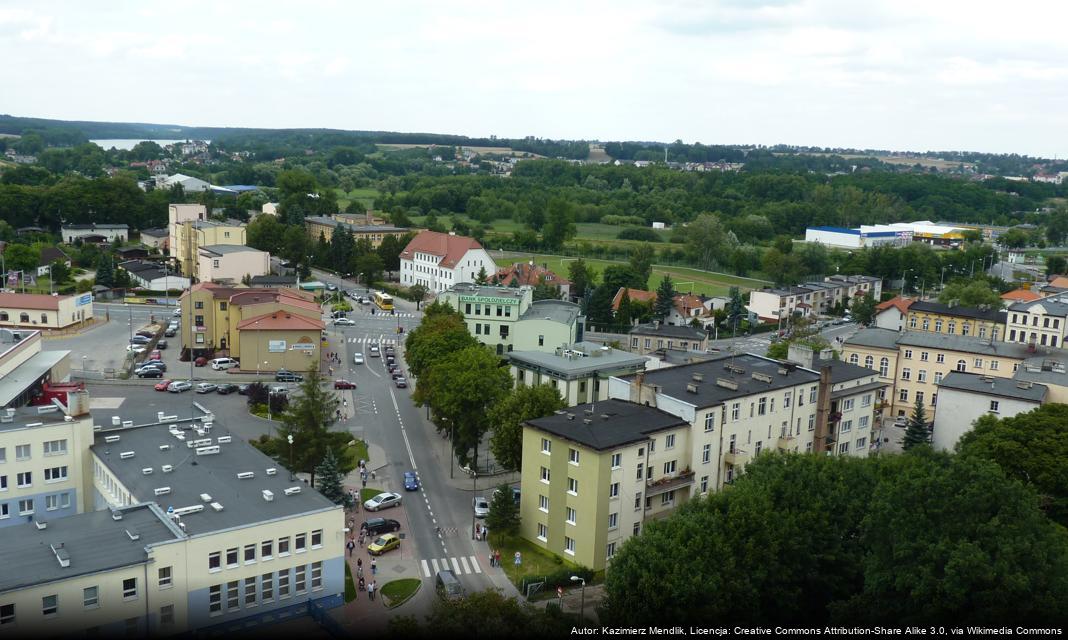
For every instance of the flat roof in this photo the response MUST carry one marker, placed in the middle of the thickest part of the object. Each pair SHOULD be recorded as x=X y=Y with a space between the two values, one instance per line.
x=966 y=344
x=555 y=310
x=221 y=249
x=26 y=374
x=726 y=378
x=93 y=541
x=1050 y=370
x=194 y=475
x=593 y=358
x=842 y=371
x=669 y=331
x=875 y=337
x=989 y=385
x=612 y=423
x=487 y=291
x=355 y=228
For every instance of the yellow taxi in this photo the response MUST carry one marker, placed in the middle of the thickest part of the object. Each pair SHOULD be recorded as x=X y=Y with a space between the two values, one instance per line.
x=383 y=543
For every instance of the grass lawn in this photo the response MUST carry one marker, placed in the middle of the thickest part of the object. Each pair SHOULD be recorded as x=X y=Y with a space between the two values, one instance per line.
x=710 y=284
x=368 y=493
x=536 y=562
x=356 y=452
x=397 y=592
x=366 y=196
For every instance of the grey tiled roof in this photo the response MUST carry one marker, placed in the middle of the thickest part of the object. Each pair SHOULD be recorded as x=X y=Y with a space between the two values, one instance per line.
x=875 y=337
x=1004 y=387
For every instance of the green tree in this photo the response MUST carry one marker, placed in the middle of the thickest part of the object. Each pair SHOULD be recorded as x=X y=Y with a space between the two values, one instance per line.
x=735 y=307
x=582 y=277
x=1031 y=447
x=917 y=432
x=484 y=614
x=1015 y=238
x=783 y=268
x=545 y=291
x=625 y=311
x=863 y=308
x=482 y=277
x=22 y=257
x=641 y=262
x=105 y=270
x=1056 y=265
x=504 y=512
x=599 y=306
x=970 y=293
x=441 y=334
x=418 y=293
x=59 y=272
x=369 y=268
x=705 y=239
x=507 y=417
x=295 y=244
x=559 y=223
x=331 y=480
x=308 y=418
x=665 y=298
x=463 y=390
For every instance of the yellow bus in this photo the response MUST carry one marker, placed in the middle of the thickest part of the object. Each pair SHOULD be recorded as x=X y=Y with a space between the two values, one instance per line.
x=384 y=301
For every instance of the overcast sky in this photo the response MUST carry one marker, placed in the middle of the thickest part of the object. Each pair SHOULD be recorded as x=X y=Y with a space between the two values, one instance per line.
x=900 y=74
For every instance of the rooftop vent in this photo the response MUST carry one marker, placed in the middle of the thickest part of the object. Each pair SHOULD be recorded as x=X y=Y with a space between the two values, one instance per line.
x=184 y=511
x=40 y=524
x=133 y=535
x=216 y=506
x=698 y=377
x=223 y=439
x=147 y=471
x=587 y=421
x=208 y=451
x=167 y=468
x=1024 y=384
x=292 y=491
x=111 y=438
x=588 y=411
x=570 y=416
x=727 y=384
x=268 y=495
x=560 y=412
x=164 y=447
x=691 y=388
x=61 y=555
x=126 y=455
x=762 y=377
x=116 y=514
x=272 y=471
x=246 y=475
x=162 y=491
x=205 y=497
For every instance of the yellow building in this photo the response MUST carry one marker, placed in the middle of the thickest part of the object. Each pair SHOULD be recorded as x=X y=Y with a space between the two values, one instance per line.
x=955 y=320
x=322 y=226
x=214 y=318
x=40 y=311
x=914 y=362
x=190 y=229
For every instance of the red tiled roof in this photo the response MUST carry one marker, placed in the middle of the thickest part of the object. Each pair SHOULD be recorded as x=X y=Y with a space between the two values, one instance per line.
x=684 y=303
x=281 y=321
x=451 y=249
x=277 y=296
x=635 y=295
x=30 y=301
x=902 y=304
x=528 y=274
x=1021 y=295
x=1060 y=282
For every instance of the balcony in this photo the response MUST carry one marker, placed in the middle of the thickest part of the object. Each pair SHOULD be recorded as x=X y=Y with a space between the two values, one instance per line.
x=735 y=456
x=786 y=443
x=668 y=483
x=830 y=439
x=835 y=416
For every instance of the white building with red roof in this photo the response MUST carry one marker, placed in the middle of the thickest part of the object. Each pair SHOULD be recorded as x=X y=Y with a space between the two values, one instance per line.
x=440 y=260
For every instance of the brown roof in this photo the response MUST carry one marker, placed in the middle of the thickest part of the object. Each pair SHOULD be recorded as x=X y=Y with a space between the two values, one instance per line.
x=1059 y=281
x=451 y=249
x=278 y=296
x=30 y=301
x=635 y=295
x=281 y=321
x=1021 y=295
x=902 y=304
x=685 y=302
x=528 y=274
x=51 y=254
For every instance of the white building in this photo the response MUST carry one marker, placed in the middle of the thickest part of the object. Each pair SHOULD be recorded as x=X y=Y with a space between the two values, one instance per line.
x=811 y=298
x=965 y=397
x=440 y=260
x=151 y=276
x=900 y=233
x=94 y=232
x=231 y=262
x=579 y=372
x=1041 y=322
x=189 y=184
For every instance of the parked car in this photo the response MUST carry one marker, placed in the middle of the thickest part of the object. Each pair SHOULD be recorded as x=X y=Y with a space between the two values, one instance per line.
x=162 y=385
x=162 y=344
x=448 y=586
x=140 y=340
x=242 y=389
x=331 y=287
x=515 y=493
x=155 y=355
x=178 y=386
x=221 y=364
x=373 y=351
x=145 y=333
x=397 y=374
x=378 y=526
x=411 y=481
x=226 y=389
x=481 y=507
x=150 y=372
x=383 y=543
x=401 y=383
x=206 y=387
x=285 y=375
x=383 y=501
x=136 y=348
x=357 y=359
x=178 y=311
x=158 y=365
x=201 y=361
x=344 y=384
x=344 y=322
x=277 y=390
x=171 y=332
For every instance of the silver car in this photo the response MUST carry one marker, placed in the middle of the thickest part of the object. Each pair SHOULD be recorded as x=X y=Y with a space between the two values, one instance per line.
x=206 y=387
x=178 y=386
x=481 y=507
x=383 y=501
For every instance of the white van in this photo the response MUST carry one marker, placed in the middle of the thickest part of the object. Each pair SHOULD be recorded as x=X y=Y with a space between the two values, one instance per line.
x=220 y=364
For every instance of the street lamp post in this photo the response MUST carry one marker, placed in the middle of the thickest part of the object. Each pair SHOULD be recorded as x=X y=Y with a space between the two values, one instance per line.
x=289 y=439
x=582 y=606
x=474 y=475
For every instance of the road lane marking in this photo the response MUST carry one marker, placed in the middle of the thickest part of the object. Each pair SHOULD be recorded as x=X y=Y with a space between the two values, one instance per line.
x=463 y=561
x=474 y=563
x=456 y=566
x=426 y=569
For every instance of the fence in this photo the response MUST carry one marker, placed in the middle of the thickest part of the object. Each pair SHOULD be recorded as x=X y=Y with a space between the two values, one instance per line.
x=325 y=620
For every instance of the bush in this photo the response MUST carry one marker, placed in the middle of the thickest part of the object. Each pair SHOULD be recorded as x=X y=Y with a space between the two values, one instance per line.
x=639 y=233
x=562 y=577
x=622 y=220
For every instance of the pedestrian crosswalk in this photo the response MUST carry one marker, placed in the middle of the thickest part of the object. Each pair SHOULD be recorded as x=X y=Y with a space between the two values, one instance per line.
x=458 y=565
x=366 y=340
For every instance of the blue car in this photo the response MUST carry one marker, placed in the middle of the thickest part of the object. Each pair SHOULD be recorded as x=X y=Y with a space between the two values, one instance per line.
x=411 y=481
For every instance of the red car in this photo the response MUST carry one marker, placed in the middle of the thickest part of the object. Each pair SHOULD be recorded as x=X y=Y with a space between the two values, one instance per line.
x=201 y=361
x=155 y=355
x=162 y=385
x=344 y=384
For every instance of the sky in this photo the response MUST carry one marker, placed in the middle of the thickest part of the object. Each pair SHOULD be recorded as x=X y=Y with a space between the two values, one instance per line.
x=901 y=74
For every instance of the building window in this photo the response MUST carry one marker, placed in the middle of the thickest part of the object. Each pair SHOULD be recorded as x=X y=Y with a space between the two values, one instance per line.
x=267 y=550
x=7 y=614
x=55 y=447
x=543 y=532
x=267 y=587
x=569 y=545
x=571 y=516
x=812 y=423
x=573 y=456
x=233 y=595
x=938 y=326
x=906 y=374
x=994 y=364
x=283 y=584
x=215 y=598
x=903 y=395
x=860 y=443
x=541 y=341
x=884 y=367
x=613 y=490
x=317 y=576
x=26 y=507
x=952 y=326
x=231 y=558
x=924 y=356
x=940 y=358
x=546 y=445
x=962 y=366
x=129 y=588
x=55 y=474
x=785 y=402
x=921 y=375
x=638 y=501
x=669 y=467
x=49 y=605
x=22 y=452
x=613 y=520
x=641 y=472
x=994 y=404
x=843 y=448
x=812 y=395
x=667 y=498
x=926 y=324
x=669 y=441
x=919 y=397
x=164 y=576
x=869 y=362
x=543 y=503
x=908 y=354
x=865 y=400
x=854 y=358
x=736 y=409
x=166 y=615
x=214 y=561
x=862 y=422
x=978 y=363
x=706 y=454
x=545 y=475
x=317 y=539
x=90 y=597
x=610 y=551
x=250 y=553
x=300 y=542
x=634 y=343
x=846 y=425
x=617 y=459
x=572 y=486
x=301 y=580
x=912 y=323
x=704 y=484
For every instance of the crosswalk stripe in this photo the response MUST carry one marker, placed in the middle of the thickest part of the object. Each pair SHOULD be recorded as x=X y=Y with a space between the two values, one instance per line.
x=434 y=562
x=474 y=565
x=426 y=569
x=463 y=561
x=455 y=566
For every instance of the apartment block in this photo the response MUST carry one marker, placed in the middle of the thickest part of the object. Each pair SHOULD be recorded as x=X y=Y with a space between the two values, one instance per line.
x=508 y=319
x=1038 y=323
x=579 y=372
x=951 y=319
x=966 y=397
x=811 y=298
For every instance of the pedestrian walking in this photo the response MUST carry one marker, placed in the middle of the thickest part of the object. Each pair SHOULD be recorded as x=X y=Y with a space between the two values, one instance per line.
x=361 y=536
x=374 y=566
x=359 y=567
x=497 y=557
x=371 y=590
x=351 y=544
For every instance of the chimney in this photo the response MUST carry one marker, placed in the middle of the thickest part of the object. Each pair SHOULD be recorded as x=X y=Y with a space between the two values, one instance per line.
x=823 y=410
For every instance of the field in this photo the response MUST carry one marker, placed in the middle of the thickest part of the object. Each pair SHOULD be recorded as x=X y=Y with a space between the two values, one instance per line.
x=685 y=278
x=366 y=196
x=591 y=231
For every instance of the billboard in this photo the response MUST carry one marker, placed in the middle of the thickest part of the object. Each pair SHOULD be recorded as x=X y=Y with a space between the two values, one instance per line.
x=276 y=346
x=84 y=300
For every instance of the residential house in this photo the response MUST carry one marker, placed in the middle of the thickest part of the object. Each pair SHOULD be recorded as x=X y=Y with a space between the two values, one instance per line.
x=811 y=298
x=95 y=233
x=951 y=319
x=579 y=372
x=154 y=276
x=155 y=238
x=656 y=337
x=134 y=252
x=42 y=311
x=966 y=397
x=530 y=274
x=1039 y=322
x=634 y=295
x=48 y=256
x=1022 y=294
x=231 y=263
x=893 y=313
x=441 y=260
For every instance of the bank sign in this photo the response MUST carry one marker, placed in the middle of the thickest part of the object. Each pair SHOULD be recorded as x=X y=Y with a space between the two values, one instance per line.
x=84 y=300
x=485 y=300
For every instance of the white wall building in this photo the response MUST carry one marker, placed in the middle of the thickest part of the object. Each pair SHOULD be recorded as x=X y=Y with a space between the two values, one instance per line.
x=965 y=397
x=440 y=260
x=94 y=232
